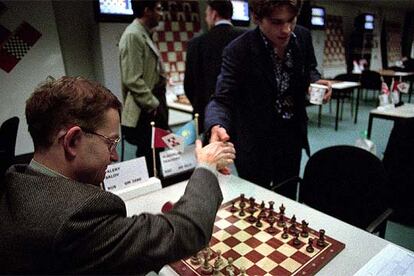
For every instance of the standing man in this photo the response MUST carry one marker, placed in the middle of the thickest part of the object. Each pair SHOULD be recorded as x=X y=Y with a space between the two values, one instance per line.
x=261 y=94
x=204 y=55
x=55 y=219
x=143 y=79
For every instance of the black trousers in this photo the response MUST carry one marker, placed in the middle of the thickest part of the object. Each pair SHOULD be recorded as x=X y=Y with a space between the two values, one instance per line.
x=272 y=159
x=141 y=134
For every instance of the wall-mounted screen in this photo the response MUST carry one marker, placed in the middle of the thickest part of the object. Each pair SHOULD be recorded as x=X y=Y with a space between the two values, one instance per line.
x=241 y=15
x=369 y=22
x=113 y=10
x=318 y=18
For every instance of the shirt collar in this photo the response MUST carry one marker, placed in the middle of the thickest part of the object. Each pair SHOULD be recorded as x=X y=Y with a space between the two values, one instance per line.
x=38 y=167
x=223 y=22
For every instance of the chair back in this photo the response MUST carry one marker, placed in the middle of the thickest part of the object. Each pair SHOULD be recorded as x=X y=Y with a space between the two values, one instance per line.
x=371 y=80
x=8 y=135
x=347 y=77
x=345 y=182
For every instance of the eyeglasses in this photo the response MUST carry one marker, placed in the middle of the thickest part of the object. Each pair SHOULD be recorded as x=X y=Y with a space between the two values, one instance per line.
x=112 y=143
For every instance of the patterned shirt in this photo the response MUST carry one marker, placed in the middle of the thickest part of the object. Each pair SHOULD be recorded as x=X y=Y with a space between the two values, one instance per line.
x=283 y=71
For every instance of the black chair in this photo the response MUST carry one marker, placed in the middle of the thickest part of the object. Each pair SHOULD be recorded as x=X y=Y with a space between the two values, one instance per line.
x=371 y=81
x=399 y=163
x=348 y=183
x=8 y=134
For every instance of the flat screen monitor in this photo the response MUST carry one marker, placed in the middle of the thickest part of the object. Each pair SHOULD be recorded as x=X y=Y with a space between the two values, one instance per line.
x=369 y=22
x=241 y=15
x=113 y=10
x=318 y=18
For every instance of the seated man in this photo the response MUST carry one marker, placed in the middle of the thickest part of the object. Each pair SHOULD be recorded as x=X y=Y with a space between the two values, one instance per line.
x=56 y=219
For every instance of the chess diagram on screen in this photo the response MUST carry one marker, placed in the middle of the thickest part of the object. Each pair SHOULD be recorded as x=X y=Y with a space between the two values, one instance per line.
x=253 y=239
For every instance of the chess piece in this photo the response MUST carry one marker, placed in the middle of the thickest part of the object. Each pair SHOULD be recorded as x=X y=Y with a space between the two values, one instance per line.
x=195 y=259
x=305 y=230
x=242 y=271
x=242 y=203
x=219 y=260
x=216 y=269
x=271 y=220
x=206 y=268
x=292 y=228
x=259 y=223
x=251 y=219
x=285 y=234
x=321 y=240
x=241 y=213
x=262 y=214
x=282 y=210
x=310 y=248
x=230 y=267
x=296 y=240
x=262 y=205
x=271 y=208
x=281 y=222
x=233 y=208
x=252 y=207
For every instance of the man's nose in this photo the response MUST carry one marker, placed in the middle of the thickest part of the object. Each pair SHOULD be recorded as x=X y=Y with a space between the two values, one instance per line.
x=287 y=27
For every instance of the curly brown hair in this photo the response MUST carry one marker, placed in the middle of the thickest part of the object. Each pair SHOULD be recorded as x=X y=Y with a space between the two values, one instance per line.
x=56 y=104
x=264 y=8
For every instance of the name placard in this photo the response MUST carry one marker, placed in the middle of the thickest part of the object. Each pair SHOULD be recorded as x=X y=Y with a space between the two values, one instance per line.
x=172 y=162
x=125 y=174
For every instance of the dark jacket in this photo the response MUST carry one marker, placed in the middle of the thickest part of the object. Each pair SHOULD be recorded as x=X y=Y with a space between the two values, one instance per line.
x=246 y=90
x=203 y=64
x=52 y=225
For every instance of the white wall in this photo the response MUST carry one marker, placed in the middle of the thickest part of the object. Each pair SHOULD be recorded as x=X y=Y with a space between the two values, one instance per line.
x=45 y=58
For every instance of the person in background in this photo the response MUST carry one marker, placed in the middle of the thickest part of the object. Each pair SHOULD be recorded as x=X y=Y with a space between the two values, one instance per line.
x=261 y=95
x=55 y=218
x=143 y=79
x=204 y=53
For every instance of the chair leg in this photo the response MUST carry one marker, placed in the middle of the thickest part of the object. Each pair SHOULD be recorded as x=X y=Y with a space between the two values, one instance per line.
x=319 y=116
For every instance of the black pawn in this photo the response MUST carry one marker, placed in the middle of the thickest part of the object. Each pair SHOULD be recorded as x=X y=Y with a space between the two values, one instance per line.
x=310 y=248
x=233 y=208
x=259 y=223
x=285 y=234
x=241 y=213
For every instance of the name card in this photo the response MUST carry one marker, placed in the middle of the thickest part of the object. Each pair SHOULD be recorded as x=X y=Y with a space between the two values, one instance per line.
x=125 y=174
x=172 y=162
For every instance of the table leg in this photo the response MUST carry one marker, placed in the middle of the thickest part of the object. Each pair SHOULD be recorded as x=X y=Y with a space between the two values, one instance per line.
x=357 y=105
x=337 y=112
x=319 y=116
x=369 y=126
x=410 y=91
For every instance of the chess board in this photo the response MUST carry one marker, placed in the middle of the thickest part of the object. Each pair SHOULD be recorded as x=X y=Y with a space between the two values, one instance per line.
x=258 y=251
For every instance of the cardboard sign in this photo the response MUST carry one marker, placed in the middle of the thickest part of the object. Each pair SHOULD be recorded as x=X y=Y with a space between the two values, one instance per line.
x=125 y=174
x=172 y=162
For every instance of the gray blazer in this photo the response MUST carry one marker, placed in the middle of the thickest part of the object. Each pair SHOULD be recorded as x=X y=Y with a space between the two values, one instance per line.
x=52 y=225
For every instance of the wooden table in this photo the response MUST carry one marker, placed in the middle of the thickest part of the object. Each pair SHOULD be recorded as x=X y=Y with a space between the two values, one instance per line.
x=405 y=111
x=360 y=246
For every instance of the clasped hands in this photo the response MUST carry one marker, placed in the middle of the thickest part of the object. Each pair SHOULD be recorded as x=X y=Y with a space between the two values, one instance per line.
x=219 y=152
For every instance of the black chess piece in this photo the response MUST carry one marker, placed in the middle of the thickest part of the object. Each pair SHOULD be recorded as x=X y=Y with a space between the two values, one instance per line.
x=262 y=205
x=233 y=208
x=251 y=218
x=281 y=222
x=242 y=203
x=305 y=231
x=282 y=210
x=285 y=234
x=321 y=240
x=310 y=248
x=241 y=213
x=271 y=220
x=258 y=222
x=296 y=240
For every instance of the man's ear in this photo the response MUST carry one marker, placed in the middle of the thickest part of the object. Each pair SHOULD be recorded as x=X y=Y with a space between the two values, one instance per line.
x=256 y=20
x=72 y=140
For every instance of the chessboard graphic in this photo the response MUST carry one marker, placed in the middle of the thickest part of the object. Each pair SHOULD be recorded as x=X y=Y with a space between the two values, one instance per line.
x=181 y=21
x=334 y=50
x=14 y=46
x=276 y=245
x=393 y=42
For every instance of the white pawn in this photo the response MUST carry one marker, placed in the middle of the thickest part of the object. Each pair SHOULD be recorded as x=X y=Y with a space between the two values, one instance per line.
x=230 y=267
x=242 y=271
